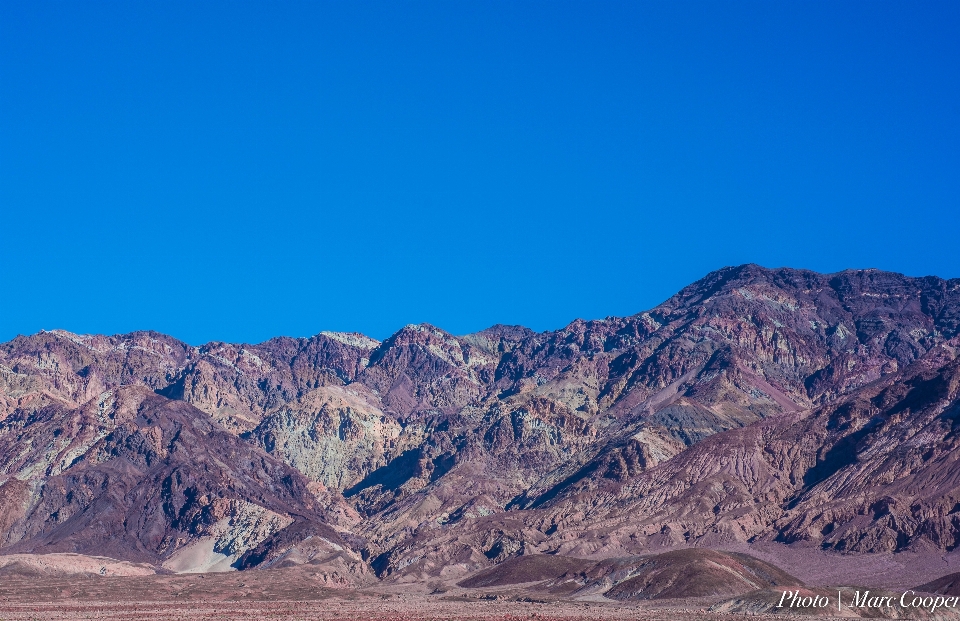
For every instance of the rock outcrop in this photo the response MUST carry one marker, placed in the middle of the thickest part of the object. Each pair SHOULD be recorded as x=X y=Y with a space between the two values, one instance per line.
x=135 y=476
x=753 y=405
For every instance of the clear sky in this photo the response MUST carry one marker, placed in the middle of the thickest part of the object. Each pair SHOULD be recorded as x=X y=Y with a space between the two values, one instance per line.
x=241 y=170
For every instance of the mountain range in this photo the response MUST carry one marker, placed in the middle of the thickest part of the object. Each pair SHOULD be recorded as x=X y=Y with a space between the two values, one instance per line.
x=755 y=407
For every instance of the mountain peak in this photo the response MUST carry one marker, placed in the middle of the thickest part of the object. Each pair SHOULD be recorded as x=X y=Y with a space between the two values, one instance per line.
x=434 y=436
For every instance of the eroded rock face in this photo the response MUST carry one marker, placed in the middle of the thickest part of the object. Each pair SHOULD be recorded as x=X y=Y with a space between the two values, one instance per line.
x=335 y=434
x=424 y=368
x=136 y=476
x=72 y=369
x=239 y=384
x=724 y=414
x=875 y=471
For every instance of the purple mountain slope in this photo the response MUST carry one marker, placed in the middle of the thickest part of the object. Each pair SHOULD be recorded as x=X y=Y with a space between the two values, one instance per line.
x=754 y=405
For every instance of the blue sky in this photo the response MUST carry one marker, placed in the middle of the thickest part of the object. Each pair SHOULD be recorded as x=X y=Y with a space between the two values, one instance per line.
x=241 y=170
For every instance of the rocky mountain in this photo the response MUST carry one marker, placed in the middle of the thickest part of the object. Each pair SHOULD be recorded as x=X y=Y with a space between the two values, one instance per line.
x=135 y=476
x=754 y=405
x=873 y=471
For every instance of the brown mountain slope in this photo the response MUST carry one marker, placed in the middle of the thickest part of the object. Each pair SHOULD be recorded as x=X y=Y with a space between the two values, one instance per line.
x=589 y=431
x=72 y=369
x=138 y=477
x=680 y=573
x=638 y=432
x=875 y=471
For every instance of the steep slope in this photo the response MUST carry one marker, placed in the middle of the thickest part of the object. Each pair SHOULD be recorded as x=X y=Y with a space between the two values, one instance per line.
x=239 y=384
x=573 y=437
x=135 y=476
x=71 y=369
x=611 y=399
x=334 y=434
x=875 y=471
x=236 y=384
x=422 y=368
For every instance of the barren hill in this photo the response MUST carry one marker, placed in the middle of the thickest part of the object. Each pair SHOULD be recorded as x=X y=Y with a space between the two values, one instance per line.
x=754 y=405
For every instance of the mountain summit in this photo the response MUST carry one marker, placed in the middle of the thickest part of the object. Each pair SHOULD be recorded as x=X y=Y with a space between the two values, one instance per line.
x=754 y=405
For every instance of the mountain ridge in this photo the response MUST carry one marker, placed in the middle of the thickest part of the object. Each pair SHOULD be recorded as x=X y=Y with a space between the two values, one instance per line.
x=472 y=449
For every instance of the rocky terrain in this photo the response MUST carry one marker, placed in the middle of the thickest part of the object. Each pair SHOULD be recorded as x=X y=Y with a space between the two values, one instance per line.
x=678 y=574
x=755 y=407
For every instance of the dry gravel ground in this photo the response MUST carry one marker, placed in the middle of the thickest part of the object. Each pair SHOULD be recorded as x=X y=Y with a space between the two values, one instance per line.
x=355 y=610
x=293 y=595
